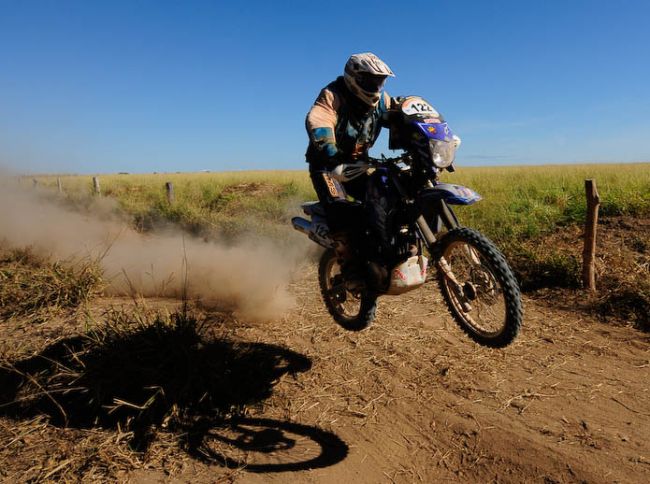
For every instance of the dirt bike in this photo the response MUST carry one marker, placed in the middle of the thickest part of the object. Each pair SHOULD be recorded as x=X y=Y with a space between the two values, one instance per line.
x=474 y=277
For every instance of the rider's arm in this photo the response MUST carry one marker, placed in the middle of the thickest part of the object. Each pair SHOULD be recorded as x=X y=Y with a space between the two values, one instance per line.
x=321 y=124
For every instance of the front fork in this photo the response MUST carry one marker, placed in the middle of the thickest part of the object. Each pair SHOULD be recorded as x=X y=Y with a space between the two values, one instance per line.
x=447 y=218
x=443 y=217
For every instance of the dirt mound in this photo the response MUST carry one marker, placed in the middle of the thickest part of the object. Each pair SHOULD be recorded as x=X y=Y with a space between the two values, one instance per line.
x=548 y=265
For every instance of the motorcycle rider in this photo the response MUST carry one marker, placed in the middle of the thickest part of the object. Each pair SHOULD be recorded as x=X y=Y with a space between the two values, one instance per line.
x=343 y=124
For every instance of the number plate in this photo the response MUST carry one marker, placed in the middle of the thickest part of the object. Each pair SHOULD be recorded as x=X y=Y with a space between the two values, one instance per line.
x=417 y=105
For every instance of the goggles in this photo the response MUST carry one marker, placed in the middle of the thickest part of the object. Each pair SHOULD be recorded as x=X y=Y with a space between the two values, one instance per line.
x=371 y=83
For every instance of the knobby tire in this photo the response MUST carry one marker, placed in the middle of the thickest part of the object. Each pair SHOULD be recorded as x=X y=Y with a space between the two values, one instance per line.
x=368 y=304
x=503 y=274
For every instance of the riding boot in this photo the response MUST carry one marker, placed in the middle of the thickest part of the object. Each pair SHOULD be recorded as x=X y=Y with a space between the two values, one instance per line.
x=342 y=245
x=376 y=268
x=350 y=265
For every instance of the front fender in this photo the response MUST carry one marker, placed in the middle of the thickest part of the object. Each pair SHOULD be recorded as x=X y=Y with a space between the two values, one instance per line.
x=451 y=194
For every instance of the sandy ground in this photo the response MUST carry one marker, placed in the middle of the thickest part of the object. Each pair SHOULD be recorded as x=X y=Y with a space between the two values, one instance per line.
x=410 y=399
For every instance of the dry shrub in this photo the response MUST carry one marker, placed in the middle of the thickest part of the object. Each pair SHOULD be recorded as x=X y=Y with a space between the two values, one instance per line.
x=536 y=269
x=622 y=269
x=32 y=286
x=630 y=302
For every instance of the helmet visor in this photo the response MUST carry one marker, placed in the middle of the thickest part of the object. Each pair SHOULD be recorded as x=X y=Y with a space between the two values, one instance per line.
x=371 y=83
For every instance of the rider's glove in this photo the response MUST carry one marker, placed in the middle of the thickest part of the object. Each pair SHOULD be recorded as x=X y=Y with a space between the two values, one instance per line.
x=349 y=171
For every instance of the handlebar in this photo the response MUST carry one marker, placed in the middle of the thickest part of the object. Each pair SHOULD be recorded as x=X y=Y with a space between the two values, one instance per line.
x=384 y=160
x=345 y=172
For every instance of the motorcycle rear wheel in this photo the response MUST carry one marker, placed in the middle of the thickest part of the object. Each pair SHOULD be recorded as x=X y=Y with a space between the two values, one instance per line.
x=479 y=287
x=352 y=311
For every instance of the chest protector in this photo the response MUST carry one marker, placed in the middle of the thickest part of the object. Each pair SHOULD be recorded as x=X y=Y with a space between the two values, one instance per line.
x=358 y=125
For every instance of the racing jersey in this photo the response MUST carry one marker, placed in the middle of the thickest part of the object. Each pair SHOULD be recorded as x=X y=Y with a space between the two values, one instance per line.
x=342 y=128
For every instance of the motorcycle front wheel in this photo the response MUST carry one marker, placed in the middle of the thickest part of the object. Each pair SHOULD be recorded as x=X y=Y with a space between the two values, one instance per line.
x=353 y=310
x=479 y=288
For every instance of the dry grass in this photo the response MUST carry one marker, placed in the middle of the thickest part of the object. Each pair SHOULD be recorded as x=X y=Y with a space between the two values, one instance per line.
x=518 y=201
x=137 y=383
x=224 y=204
x=32 y=288
x=520 y=204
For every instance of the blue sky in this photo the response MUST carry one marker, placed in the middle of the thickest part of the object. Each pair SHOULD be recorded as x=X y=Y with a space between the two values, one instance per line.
x=141 y=86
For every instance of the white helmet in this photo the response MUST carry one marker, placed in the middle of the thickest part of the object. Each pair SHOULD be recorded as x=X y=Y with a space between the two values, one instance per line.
x=365 y=75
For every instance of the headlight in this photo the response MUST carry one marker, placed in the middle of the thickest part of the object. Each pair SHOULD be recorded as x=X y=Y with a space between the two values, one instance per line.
x=442 y=152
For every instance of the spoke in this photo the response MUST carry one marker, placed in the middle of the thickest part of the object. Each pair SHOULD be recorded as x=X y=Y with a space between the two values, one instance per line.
x=463 y=264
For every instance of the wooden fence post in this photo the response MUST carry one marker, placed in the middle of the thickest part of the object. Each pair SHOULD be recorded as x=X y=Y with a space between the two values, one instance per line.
x=96 y=189
x=169 y=188
x=589 y=252
x=58 y=184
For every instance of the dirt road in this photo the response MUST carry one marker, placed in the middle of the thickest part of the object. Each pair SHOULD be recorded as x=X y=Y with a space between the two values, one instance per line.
x=411 y=399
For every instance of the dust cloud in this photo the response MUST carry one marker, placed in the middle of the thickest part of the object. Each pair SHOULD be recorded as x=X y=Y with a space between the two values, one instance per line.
x=249 y=276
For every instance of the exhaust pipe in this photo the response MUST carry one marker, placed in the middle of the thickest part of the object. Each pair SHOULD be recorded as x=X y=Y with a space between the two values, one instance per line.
x=318 y=232
x=302 y=225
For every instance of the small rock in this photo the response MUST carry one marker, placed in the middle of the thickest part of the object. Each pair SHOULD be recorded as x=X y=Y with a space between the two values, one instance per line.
x=517 y=404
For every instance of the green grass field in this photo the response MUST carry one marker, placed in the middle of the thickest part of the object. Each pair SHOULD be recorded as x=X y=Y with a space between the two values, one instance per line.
x=518 y=202
x=522 y=210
